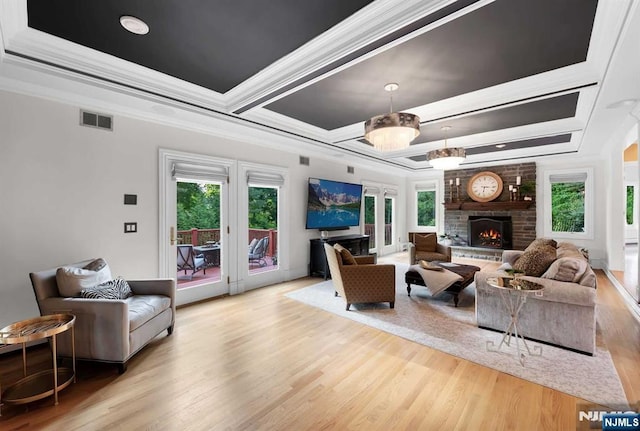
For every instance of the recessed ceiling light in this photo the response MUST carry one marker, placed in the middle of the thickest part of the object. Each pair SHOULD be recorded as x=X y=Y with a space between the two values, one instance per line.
x=500 y=146
x=134 y=25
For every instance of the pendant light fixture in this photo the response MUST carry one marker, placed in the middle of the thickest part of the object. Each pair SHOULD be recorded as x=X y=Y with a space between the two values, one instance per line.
x=446 y=158
x=392 y=131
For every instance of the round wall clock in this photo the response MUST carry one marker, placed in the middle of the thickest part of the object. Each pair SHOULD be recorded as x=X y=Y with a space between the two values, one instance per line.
x=484 y=186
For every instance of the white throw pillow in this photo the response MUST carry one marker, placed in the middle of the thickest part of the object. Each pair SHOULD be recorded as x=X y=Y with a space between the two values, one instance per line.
x=71 y=280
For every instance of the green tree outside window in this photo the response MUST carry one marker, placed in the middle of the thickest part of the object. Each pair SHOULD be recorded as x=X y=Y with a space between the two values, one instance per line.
x=567 y=207
x=426 y=205
x=198 y=205
x=630 y=205
x=263 y=208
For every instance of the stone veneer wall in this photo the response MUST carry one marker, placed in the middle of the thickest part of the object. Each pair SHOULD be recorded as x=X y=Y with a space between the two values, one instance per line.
x=524 y=221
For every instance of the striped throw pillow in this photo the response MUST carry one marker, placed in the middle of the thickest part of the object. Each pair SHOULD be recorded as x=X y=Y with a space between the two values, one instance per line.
x=112 y=289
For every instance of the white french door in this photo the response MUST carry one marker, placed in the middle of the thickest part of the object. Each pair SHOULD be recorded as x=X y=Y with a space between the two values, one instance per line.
x=261 y=198
x=211 y=245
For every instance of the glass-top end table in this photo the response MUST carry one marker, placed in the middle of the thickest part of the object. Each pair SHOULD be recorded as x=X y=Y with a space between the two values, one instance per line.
x=45 y=383
x=514 y=291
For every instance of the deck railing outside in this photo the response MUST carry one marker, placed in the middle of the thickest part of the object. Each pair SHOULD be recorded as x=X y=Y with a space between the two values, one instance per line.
x=370 y=229
x=201 y=236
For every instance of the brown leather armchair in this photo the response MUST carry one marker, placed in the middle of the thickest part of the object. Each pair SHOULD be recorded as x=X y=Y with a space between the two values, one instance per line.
x=363 y=282
x=425 y=246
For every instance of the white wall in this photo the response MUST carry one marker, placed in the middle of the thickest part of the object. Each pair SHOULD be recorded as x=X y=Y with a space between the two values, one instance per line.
x=615 y=196
x=62 y=187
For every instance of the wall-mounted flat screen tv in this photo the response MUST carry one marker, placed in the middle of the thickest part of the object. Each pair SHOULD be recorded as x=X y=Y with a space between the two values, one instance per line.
x=333 y=205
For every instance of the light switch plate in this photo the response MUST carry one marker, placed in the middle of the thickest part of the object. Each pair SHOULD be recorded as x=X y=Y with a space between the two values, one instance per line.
x=130 y=199
x=130 y=227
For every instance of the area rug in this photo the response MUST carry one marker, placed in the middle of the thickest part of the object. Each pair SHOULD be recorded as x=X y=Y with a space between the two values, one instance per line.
x=435 y=322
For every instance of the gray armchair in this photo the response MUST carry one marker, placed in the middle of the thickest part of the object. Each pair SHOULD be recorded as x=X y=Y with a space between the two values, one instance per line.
x=109 y=330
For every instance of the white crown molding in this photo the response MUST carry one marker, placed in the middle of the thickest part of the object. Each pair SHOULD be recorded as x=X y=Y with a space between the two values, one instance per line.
x=607 y=31
x=265 y=116
x=620 y=71
x=59 y=88
x=369 y=24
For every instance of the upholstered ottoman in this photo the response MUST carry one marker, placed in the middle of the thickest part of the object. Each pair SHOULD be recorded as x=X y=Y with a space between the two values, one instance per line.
x=467 y=272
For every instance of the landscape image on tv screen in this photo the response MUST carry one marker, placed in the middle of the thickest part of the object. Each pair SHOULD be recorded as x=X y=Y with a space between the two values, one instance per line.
x=333 y=204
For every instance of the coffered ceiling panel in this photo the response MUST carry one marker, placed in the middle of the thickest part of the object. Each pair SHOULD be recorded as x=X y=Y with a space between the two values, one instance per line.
x=215 y=44
x=539 y=111
x=501 y=42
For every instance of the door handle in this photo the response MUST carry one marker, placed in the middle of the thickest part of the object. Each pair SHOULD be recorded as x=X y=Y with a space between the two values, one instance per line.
x=172 y=235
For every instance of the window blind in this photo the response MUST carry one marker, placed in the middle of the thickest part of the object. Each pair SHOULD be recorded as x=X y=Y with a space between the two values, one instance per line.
x=190 y=171
x=264 y=178
x=390 y=192
x=575 y=177
x=426 y=187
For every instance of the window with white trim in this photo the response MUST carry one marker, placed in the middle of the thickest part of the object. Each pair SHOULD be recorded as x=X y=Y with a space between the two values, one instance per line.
x=426 y=205
x=569 y=203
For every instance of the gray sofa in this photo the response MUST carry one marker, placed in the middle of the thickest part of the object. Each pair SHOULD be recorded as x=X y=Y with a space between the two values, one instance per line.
x=565 y=314
x=109 y=330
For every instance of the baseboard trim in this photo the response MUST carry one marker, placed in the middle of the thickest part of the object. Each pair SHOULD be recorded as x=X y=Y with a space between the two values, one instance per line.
x=629 y=301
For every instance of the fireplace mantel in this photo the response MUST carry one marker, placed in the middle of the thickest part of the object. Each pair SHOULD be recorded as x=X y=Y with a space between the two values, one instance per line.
x=488 y=206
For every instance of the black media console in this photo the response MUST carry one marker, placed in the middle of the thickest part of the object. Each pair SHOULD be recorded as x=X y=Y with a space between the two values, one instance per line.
x=358 y=245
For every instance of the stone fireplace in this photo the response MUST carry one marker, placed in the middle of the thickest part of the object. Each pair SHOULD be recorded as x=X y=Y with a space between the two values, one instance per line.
x=460 y=211
x=490 y=231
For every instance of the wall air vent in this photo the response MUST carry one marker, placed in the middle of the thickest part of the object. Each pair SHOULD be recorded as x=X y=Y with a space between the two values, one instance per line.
x=93 y=119
x=304 y=160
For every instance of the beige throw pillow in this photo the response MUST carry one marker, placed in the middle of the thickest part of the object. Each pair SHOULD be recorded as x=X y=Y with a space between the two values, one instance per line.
x=566 y=269
x=71 y=281
x=96 y=264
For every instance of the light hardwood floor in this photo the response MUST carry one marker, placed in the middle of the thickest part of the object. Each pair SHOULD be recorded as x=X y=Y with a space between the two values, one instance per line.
x=262 y=361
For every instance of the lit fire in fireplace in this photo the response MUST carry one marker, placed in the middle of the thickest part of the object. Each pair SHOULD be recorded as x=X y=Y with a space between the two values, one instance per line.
x=490 y=237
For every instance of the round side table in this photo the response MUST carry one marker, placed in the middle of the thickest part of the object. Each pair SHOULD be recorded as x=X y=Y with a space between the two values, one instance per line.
x=43 y=383
x=514 y=292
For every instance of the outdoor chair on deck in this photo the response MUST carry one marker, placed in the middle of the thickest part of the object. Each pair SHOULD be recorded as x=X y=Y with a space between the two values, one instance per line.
x=188 y=261
x=257 y=255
